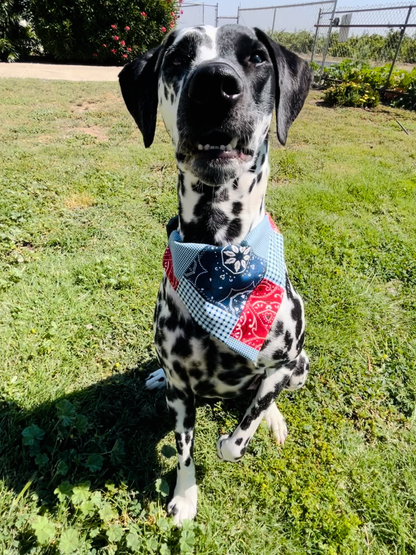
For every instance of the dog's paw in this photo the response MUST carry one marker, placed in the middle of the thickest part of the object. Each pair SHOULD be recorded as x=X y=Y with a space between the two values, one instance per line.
x=231 y=449
x=184 y=506
x=276 y=423
x=156 y=380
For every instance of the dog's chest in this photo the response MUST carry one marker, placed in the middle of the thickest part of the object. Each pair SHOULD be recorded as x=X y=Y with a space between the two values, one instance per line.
x=193 y=358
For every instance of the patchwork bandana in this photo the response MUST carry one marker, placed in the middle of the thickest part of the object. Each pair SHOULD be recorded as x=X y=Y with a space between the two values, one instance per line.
x=232 y=292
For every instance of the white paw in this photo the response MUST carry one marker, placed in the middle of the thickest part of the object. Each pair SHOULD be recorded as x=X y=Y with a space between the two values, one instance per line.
x=230 y=449
x=183 y=506
x=276 y=423
x=156 y=380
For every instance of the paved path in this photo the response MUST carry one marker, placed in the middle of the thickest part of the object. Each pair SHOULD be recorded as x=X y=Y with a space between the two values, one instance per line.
x=60 y=72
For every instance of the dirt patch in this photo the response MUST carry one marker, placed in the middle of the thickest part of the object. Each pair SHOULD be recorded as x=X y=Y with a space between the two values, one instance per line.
x=94 y=131
x=79 y=201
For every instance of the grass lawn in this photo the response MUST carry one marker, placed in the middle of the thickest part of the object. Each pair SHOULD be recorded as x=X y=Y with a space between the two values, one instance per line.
x=83 y=208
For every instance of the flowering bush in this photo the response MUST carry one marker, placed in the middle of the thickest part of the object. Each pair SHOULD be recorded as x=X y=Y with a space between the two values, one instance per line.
x=17 y=38
x=106 y=31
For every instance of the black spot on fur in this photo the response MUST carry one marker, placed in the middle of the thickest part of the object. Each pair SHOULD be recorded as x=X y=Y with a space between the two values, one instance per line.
x=235 y=184
x=172 y=98
x=179 y=443
x=297 y=315
x=239 y=441
x=243 y=450
x=166 y=92
x=233 y=230
x=196 y=373
x=252 y=185
x=259 y=177
x=188 y=461
x=182 y=347
x=180 y=157
x=231 y=360
x=237 y=207
x=288 y=340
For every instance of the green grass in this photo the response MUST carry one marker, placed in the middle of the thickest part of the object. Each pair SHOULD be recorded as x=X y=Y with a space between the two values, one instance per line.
x=82 y=213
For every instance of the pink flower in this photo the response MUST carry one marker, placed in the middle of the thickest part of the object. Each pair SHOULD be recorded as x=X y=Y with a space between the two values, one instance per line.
x=172 y=13
x=172 y=24
x=129 y=49
x=113 y=50
x=105 y=46
x=143 y=14
x=163 y=29
x=114 y=26
x=95 y=55
x=127 y=28
x=124 y=55
x=115 y=38
x=123 y=43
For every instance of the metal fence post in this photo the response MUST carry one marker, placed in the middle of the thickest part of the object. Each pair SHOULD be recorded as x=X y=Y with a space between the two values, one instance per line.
x=274 y=19
x=402 y=32
x=238 y=15
x=316 y=35
x=216 y=15
x=328 y=40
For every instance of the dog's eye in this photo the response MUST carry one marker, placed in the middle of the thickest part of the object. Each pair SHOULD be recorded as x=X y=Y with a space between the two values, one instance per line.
x=180 y=60
x=257 y=58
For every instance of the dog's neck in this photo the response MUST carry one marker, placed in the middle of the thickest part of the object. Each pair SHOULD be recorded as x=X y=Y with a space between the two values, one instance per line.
x=225 y=214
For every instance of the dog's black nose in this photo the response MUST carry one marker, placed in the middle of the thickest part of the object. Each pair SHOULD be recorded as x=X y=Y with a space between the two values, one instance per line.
x=216 y=82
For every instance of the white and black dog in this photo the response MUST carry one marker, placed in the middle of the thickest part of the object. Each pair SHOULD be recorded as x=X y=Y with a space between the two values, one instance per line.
x=227 y=317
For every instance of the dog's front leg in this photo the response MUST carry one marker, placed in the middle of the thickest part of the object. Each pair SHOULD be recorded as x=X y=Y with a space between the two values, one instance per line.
x=231 y=447
x=184 y=503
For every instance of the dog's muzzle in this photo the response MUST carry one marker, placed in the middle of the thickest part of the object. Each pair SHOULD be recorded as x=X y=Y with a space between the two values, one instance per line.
x=216 y=144
x=215 y=85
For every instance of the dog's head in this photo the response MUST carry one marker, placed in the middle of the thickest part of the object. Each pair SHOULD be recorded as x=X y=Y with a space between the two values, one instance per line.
x=216 y=89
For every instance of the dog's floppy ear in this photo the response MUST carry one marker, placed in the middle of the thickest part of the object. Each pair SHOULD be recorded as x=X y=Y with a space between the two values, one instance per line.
x=293 y=78
x=139 y=87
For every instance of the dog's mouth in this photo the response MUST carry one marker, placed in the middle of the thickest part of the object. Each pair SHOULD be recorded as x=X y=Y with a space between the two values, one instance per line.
x=222 y=146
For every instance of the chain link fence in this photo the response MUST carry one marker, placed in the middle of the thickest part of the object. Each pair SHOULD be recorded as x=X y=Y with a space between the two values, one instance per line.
x=324 y=33
x=382 y=34
x=198 y=14
x=292 y=25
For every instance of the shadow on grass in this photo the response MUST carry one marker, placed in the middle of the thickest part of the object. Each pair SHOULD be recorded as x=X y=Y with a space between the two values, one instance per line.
x=107 y=432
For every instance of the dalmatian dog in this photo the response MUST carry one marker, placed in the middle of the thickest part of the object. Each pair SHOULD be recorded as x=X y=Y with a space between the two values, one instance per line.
x=216 y=89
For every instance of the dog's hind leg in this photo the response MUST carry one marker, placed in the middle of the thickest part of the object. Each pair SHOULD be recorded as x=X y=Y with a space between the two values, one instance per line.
x=276 y=423
x=156 y=380
x=232 y=447
x=181 y=404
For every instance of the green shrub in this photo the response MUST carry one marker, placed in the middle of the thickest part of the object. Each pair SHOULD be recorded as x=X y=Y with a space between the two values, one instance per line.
x=109 y=32
x=352 y=94
x=357 y=84
x=17 y=38
x=298 y=41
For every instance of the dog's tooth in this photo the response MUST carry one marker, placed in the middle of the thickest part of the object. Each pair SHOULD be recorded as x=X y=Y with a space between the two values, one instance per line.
x=222 y=147
x=207 y=147
x=234 y=142
x=200 y=147
x=228 y=148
